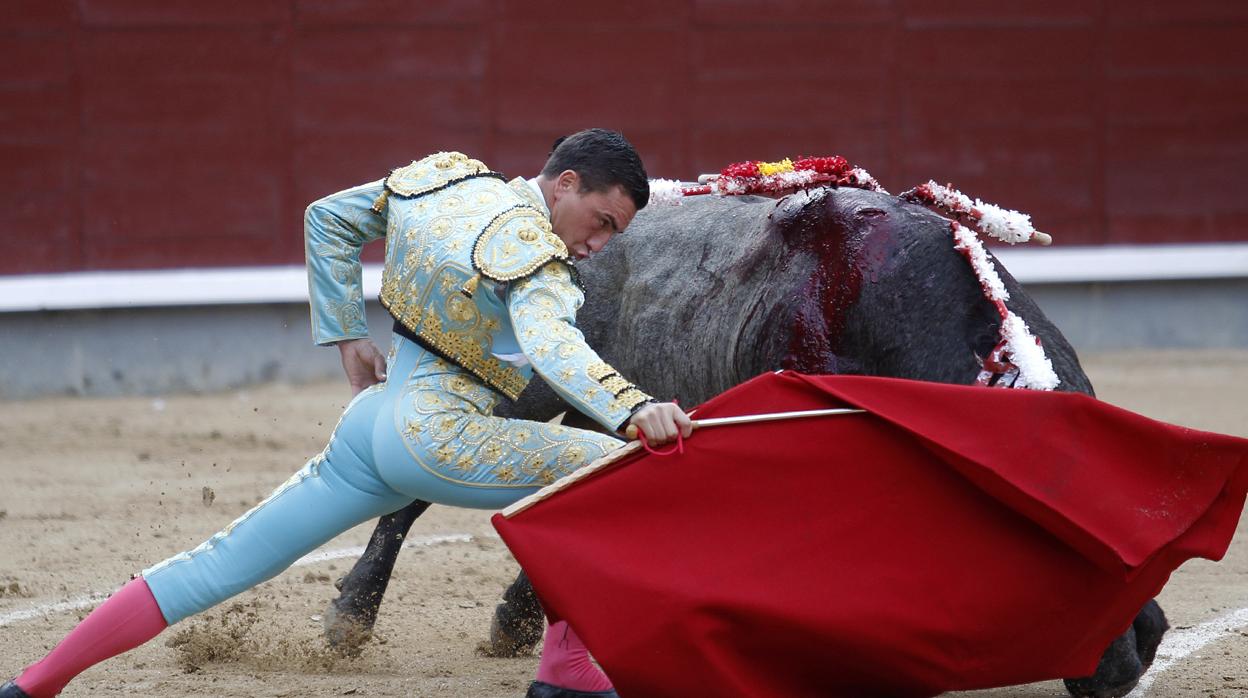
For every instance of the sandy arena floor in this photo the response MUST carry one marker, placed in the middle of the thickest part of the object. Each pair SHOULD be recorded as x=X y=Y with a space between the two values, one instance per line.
x=93 y=490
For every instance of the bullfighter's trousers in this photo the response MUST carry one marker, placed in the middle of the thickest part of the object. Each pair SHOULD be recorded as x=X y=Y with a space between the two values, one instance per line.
x=427 y=432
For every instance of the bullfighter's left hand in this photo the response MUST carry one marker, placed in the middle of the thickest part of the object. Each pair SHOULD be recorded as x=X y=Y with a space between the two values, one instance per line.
x=661 y=422
x=363 y=363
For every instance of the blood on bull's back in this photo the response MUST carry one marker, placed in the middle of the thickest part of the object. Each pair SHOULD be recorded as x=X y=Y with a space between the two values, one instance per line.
x=696 y=298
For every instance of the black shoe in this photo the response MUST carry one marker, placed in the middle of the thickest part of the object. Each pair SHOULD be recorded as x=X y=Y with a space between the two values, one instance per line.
x=10 y=690
x=541 y=689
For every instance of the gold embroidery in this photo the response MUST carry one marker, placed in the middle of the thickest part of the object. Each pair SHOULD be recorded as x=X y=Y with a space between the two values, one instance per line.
x=488 y=451
x=435 y=172
x=431 y=261
x=629 y=399
x=492 y=452
x=462 y=348
x=460 y=385
x=616 y=384
x=522 y=188
x=572 y=456
x=379 y=204
x=451 y=203
x=440 y=227
x=599 y=370
x=461 y=309
x=496 y=254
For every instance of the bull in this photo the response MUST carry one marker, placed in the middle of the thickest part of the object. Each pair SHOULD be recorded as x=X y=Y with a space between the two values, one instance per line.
x=695 y=299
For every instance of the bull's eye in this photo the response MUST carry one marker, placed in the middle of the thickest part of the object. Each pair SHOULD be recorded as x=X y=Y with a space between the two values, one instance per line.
x=870 y=212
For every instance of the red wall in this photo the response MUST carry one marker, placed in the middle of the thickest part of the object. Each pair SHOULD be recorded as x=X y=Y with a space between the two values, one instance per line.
x=153 y=133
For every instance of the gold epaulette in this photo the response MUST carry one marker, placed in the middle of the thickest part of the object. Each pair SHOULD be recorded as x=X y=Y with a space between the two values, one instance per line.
x=431 y=174
x=517 y=243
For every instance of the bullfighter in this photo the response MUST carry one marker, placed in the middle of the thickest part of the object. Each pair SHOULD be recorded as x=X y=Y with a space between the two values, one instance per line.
x=480 y=279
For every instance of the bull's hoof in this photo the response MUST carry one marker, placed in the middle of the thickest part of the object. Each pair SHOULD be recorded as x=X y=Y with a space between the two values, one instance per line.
x=541 y=689
x=10 y=690
x=347 y=632
x=1150 y=625
x=1127 y=658
x=1116 y=674
x=510 y=642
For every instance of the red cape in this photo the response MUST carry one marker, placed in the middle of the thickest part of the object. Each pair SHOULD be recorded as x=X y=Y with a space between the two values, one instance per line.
x=954 y=538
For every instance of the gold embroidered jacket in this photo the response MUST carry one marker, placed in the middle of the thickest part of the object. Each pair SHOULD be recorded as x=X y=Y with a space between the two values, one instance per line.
x=473 y=271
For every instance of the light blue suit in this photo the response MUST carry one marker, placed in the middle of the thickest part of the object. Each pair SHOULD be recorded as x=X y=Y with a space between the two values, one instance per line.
x=484 y=296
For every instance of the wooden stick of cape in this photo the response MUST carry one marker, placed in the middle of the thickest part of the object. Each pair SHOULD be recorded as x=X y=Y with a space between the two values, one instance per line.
x=633 y=445
x=631 y=431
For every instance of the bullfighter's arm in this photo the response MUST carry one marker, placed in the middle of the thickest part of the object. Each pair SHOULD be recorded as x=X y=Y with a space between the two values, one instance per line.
x=543 y=312
x=335 y=229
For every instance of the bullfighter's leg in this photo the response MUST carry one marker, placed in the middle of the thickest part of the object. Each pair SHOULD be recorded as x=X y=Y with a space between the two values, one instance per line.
x=1126 y=659
x=431 y=437
x=447 y=446
x=350 y=618
x=334 y=491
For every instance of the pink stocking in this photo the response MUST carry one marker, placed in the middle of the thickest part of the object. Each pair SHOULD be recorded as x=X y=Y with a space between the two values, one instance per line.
x=566 y=663
x=126 y=620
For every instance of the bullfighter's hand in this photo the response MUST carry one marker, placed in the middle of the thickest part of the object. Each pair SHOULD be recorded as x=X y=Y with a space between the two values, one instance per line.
x=364 y=363
x=661 y=422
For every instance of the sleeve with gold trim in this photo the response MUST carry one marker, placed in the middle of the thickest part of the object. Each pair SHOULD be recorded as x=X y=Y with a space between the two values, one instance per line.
x=335 y=229
x=543 y=313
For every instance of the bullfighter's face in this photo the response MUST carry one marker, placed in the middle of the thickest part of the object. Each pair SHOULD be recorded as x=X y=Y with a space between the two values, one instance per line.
x=585 y=221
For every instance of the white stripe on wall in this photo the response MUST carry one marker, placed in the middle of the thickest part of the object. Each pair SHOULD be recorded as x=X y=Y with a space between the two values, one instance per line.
x=242 y=285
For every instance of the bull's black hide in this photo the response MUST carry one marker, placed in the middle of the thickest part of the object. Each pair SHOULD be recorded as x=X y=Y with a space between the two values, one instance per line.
x=695 y=299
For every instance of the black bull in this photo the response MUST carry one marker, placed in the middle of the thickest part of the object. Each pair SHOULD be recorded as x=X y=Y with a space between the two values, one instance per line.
x=695 y=299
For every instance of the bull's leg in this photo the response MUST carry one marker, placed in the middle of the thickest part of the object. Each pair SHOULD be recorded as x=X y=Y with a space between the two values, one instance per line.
x=350 y=617
x=1127 y=658
x=518 y=621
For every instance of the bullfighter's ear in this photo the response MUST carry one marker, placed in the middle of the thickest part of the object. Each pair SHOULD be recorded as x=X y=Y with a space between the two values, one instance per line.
x=568 y=181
